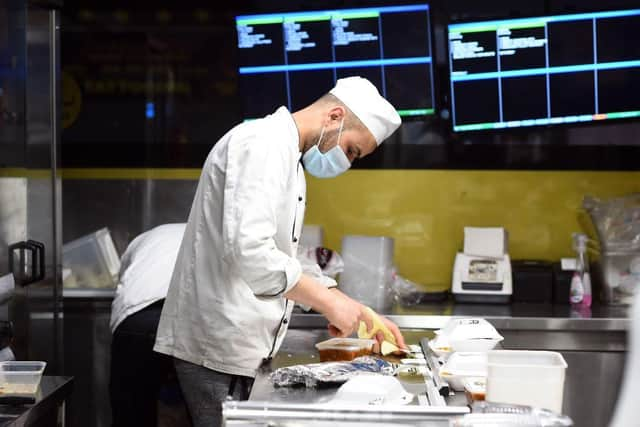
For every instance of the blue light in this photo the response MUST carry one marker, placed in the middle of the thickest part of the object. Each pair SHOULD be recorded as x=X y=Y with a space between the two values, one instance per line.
x=150 y=111
x=330 y=65
x=545 y=19
x=387 y=9
x=543 y=71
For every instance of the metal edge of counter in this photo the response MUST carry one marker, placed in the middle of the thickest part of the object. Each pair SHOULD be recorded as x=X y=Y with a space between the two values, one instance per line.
x=61 y=391
x=312 y=321
x=418 y=321
x=88 y=293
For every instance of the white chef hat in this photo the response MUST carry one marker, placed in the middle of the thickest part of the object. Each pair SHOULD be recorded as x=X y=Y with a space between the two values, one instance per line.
x=364 y=100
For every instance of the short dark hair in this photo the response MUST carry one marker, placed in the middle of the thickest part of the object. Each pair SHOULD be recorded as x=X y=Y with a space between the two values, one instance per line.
x=351 y=121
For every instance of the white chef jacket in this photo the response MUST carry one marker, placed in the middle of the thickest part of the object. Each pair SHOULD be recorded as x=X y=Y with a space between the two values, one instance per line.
x=145 y=271
x=225 y=309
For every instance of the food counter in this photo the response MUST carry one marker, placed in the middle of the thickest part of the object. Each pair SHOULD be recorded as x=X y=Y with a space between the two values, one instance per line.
x=593 y=343
x=594 y=348
x=48 y=409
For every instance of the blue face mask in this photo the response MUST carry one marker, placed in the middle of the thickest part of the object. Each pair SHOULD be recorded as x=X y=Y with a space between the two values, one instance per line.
x=329 y=164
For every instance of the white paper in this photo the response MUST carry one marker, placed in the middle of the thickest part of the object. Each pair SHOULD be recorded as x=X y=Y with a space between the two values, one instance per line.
x=569 y=264
x=488 y=242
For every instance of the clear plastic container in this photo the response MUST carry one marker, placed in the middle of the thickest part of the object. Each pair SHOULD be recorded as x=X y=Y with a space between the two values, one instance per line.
x=620 y=275
x=368 y=270
x=20 y=377
x=461 y=366
x=475 y=388
x=344 y=349
x=534 y=378
x=92 y=260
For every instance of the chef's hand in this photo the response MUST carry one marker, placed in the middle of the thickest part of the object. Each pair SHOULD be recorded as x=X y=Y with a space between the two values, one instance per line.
x=394 y=330
x=345 y=315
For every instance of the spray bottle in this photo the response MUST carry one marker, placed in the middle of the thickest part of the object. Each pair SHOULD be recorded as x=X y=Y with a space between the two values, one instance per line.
x=581 y=281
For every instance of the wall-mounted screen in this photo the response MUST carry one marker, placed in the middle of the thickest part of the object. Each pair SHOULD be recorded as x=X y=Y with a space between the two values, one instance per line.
x=545 y=70
x=293 y=58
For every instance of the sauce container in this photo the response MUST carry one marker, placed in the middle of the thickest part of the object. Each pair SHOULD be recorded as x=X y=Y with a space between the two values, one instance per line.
x=344 y=349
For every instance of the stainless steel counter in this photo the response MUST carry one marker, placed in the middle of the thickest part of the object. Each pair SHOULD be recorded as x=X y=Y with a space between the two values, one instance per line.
x=517 y=316
x=592 y=379
x=524 y=326
x=49 y=406
x=298 y=348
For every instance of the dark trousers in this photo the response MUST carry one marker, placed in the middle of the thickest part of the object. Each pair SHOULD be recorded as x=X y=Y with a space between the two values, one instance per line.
x=204 y=391
x=137 y=372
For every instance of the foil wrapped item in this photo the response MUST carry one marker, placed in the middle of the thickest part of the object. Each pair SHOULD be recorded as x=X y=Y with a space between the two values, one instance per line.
x=330 y=373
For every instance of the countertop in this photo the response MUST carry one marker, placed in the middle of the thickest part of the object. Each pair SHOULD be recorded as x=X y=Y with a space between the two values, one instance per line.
x=433 y=315
x=587 y=410
x=52 y=392
x=514 y=316
x=298 y=348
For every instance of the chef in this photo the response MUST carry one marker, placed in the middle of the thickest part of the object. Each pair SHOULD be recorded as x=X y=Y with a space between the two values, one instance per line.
x=137 y=372
x=236 y=277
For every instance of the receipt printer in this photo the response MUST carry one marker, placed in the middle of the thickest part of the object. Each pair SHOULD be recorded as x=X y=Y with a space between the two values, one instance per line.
x=482 y=272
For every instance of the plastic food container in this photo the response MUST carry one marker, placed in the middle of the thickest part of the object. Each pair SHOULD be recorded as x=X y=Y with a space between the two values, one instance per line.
x=91 y=261
x=344 y=349
x=475 y=389
x=461 y=366
x=465 y=335
x=534 y=378
x=20 y=377
x=368 y=270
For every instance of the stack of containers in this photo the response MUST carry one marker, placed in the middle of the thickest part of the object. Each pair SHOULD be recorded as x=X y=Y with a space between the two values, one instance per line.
x=617 y=225
x=368 y=270
x=463 y=345
x=533 y=378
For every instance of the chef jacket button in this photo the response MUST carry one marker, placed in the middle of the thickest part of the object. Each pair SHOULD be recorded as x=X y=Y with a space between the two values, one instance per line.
x=299 y=198
x=295 y=239
x=285 y=321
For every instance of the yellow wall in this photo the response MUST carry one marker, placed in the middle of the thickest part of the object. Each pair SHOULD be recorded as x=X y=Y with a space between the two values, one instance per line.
x=425 y=211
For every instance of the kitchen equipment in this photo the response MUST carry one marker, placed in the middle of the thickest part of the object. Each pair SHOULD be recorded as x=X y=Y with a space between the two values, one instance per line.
x=482 y=272
x=368 y=270
x=561 y=283
x=532 y=281
x=27 y=262
x=436 y=382
x=534 y=378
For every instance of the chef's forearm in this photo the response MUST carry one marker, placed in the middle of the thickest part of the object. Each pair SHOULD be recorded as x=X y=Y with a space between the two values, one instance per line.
x=310 y=292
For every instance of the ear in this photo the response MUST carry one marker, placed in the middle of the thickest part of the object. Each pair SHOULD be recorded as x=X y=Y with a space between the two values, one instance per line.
x=337 y=113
